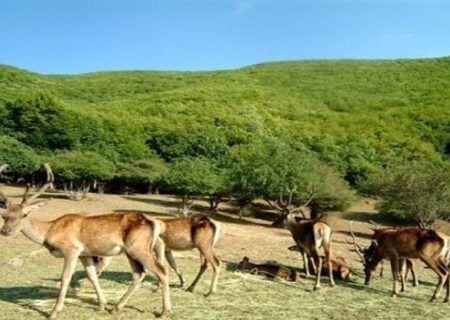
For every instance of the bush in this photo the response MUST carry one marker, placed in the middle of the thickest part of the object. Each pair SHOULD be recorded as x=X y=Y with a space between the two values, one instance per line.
x=415 y=192
x=21 y=159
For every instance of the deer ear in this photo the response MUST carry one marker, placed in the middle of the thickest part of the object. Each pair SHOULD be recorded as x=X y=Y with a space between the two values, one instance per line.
x=27 y=209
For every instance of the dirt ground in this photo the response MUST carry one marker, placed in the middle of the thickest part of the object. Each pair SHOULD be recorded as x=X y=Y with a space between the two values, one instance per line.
x=25 y=264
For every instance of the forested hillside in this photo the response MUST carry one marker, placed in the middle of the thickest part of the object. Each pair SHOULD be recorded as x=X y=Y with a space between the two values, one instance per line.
x=298 y=127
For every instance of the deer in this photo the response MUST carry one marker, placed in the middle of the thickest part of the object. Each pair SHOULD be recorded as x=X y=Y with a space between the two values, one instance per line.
x=429 y=246
x=286 y=207
x=340 y=267
x=186 y=233
x=405 y=265
x=77 y=236
x=269 y=270
x=310 y=235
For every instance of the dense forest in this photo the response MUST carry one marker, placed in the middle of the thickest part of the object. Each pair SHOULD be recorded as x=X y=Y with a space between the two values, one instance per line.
x=321 y=129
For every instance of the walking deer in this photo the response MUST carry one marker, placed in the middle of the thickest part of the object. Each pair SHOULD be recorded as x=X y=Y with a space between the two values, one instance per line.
x=187 y=233
x=413 y=243
x=311 y=235
x=76 y=236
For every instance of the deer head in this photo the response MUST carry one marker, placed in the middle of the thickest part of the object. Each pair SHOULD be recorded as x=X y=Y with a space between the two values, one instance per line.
x=16 y=214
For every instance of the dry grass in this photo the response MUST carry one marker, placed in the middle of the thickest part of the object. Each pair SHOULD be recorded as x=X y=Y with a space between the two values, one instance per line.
x=29 y=280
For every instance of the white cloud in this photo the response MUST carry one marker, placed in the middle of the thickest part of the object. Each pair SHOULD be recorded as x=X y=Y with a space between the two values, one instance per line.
x=408 y=35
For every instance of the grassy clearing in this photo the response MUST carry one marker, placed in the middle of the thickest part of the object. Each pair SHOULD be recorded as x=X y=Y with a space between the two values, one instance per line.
x=29 y=292
x=29 y=279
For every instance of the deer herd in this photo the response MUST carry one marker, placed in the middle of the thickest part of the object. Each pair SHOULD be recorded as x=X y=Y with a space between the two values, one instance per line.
x=147 y=242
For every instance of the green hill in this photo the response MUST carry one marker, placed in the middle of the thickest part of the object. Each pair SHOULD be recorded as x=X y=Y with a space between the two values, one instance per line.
x=355 y=115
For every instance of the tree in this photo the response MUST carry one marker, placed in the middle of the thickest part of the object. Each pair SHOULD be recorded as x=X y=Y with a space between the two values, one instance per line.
x=21 y=159
x=145 y=172
x=277 y=172
x=38 y=119
x=415 y=191
x=190 y=177
x=78 y=171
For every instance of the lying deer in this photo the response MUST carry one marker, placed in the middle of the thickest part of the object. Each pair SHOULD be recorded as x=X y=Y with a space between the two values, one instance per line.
x=180 y=234
x=413 y=243
x=76 y=236
x=311 y=235
x=269 y=270
x=340 y=267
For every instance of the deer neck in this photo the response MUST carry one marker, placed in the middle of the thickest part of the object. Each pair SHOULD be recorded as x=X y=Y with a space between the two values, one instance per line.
x=36 y=230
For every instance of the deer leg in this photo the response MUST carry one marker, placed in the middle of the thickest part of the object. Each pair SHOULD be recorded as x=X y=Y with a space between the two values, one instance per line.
x=410 y=266
x=305 y=260
x=70 y=262
x=203 y=266
x=403 y=274
x=447 y=294
x=138 y=276
x=318 y=261
x=216 y=264
x=381 y=268
x=173 y=264
x=89 y=266
x=150 y=263
x=441 y=271
x=101 y=264
x=330 y=267
x=395 y=268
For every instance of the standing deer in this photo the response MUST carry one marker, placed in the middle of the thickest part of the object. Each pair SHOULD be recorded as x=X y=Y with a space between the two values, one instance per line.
x=187 y=233
x=76 y=236
x=413 y=243
x=311 y=235
x=405 y=265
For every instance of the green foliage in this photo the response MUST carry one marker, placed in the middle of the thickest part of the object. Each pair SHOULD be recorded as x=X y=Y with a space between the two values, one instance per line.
x=414 y=191
x=81 y=166
x=354 y=116
x=37 y=119
x=193 y=176
x=142 y=171
x=21 y=159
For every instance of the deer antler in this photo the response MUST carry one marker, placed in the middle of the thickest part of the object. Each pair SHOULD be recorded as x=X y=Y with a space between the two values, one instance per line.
x=50 y=179
x=312 y=194
x=357 y=247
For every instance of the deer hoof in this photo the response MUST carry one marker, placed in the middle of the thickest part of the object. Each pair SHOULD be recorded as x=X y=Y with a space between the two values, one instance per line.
x=53 y=316
x=101 y=307
x=163 y=314
x=115 y=309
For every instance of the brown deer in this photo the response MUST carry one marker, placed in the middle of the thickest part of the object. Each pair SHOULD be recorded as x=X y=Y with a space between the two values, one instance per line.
x=269 y=270
x=405 y=265
x=187 y=233
x=340 y=267
x=413 y=243
x=311 y=235
x=76 y=236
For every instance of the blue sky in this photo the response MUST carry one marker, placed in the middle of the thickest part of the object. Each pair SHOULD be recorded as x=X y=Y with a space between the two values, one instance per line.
x=74 y=36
